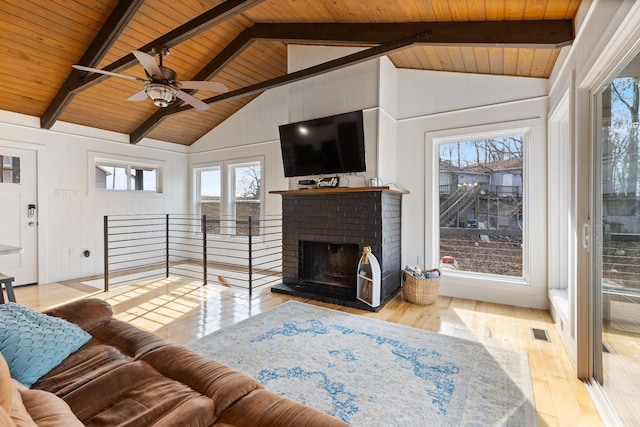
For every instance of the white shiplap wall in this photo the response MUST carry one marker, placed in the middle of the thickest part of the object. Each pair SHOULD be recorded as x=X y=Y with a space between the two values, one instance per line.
x=70 y=224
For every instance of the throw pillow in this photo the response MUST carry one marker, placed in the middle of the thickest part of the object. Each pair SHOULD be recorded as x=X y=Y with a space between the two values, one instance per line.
x=33 y=343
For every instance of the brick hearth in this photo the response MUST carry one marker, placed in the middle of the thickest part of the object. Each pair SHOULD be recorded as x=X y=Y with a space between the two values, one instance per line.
x=368 y=216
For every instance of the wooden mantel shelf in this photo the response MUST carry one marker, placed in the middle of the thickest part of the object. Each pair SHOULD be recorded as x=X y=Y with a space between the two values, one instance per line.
x=329 y=190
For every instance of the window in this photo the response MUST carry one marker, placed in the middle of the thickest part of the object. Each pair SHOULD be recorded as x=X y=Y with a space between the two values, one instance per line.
x=126 y=177
x=209 y=197
x=246 y=179
x=229 y=194
x=481 y=205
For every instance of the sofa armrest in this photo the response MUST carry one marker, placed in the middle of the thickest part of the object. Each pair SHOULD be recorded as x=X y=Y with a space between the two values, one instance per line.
x=41 y=408
x=5 y=419
x=87 y=313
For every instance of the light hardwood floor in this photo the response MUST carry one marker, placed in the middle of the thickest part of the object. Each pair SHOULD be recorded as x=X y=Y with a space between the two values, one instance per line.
x=181 y=311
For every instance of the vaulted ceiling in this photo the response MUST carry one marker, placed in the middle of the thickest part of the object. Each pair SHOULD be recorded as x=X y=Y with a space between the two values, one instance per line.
x=242 y=43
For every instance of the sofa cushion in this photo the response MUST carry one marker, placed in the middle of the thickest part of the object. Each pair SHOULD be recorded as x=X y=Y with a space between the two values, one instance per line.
x=5 y=385
x=93 y=360
x=40 y=408
x=134 y=394
x=222 y=384
x=34 y=343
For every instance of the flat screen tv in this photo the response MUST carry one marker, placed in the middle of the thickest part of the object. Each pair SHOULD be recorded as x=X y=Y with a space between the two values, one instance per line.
x=328 y=145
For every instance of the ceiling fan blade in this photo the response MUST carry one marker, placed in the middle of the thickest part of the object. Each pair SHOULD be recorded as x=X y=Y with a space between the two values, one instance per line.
x=194 y=102
x=138 y=96
x=108 y=73
x=202 y=85
x=149 y=64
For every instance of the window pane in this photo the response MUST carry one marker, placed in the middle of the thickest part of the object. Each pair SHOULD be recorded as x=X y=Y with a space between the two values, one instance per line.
x=209 y=198
x=10 y=169
x=143 y=179
x=481 y=188
x=247 y=187
x=111 y=177
x=247 y=183
x=617 y=252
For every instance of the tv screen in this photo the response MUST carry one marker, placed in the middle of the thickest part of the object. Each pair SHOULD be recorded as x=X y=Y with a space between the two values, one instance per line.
x=327 y=145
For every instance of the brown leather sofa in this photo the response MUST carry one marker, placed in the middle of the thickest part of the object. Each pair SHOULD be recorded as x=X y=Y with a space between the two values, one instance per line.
x=125 y=376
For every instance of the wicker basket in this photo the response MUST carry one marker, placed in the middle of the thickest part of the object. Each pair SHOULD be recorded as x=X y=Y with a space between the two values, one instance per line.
x=420 y=291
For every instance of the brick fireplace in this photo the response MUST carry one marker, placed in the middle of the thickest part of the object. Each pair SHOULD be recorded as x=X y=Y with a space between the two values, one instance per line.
x=323 y=234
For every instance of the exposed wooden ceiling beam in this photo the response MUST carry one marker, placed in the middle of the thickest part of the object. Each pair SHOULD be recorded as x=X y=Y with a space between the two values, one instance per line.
x=530 y=34
x=116 y=23
x=184 y=32
x=547 y=34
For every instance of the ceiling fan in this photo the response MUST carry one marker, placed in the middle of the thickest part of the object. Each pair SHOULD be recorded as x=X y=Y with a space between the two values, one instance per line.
x=161 y=84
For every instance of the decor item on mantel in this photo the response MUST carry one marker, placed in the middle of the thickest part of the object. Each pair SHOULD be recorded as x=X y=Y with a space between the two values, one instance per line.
x=324 y=232
x=368 y=284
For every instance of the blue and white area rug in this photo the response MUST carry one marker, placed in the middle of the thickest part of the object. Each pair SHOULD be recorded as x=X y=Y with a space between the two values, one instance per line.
x=373 y=373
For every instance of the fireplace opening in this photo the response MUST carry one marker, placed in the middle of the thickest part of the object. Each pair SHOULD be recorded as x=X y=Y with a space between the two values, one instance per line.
x=333 y=264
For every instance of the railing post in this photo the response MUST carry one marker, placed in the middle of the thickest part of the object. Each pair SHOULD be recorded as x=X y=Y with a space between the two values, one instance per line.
x=167 y=246
x=250 y=257
x=204 y=249
x=106 y=252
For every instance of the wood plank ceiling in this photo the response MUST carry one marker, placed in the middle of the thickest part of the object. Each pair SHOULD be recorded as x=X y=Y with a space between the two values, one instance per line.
x=243 y=43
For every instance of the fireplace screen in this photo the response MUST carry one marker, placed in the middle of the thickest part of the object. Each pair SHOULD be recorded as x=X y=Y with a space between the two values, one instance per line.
x=329 y=263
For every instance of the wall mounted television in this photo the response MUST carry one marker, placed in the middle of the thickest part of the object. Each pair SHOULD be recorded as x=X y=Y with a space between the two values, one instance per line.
x=327 y=145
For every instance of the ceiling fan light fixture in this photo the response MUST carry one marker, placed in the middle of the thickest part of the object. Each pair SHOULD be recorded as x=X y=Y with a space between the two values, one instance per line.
x=160 y=94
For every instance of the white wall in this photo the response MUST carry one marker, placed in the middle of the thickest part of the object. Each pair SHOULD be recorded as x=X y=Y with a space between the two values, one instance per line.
x=387 y=159
x=436 y=105
x=256 y=123
x=401 y=108
x=72 y=223
x=349 y=89
x=423 y=93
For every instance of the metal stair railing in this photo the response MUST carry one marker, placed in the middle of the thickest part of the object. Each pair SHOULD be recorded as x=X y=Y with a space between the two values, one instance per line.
x=459 y=200
x=235 y=253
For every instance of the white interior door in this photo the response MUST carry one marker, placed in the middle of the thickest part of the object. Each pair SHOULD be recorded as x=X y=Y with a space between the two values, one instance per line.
x=18 y=214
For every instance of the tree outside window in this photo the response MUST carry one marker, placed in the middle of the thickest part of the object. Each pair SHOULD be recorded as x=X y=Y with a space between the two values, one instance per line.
x=247 y=184
x=621 y=183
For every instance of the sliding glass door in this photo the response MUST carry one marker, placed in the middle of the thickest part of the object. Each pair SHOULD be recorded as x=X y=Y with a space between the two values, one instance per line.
x=616 y=244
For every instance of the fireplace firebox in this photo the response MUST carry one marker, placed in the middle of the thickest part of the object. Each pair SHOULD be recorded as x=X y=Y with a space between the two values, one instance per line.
x=330 y=264
x=323 y=234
